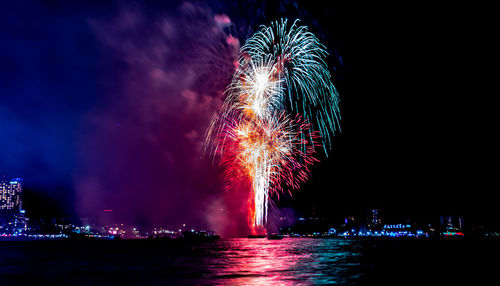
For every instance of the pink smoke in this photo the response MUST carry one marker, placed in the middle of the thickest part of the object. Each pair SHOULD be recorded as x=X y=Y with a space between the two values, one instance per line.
x=141 y=148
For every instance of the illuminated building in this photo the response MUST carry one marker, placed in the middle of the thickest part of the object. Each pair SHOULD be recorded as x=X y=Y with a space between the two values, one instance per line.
x=10 y=194
x=12 y=215
x=374 y=220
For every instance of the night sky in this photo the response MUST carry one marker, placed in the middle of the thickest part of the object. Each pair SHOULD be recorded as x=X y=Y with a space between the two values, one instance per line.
x=105 y=105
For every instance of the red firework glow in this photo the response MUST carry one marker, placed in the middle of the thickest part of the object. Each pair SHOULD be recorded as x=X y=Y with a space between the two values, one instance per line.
x=264 y=155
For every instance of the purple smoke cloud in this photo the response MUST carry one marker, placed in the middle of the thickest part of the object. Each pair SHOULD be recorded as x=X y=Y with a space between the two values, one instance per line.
x=141 y=148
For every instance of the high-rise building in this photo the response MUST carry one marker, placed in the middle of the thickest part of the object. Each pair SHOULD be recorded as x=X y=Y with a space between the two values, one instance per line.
x=12 y=215
x=10 y=194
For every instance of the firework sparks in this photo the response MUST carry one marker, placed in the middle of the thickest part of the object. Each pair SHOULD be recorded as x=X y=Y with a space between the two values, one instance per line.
x=279 y=106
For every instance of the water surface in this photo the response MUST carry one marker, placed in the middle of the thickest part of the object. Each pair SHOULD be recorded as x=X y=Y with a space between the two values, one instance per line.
x=290 y=261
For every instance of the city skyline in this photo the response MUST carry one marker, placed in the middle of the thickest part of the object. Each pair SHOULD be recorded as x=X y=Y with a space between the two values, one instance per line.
x=15 y=223
x=13 y=219
x=83 y=113
x=249 y=142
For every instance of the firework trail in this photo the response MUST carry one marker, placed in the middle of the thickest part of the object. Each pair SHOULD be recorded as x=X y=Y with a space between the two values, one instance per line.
x=280 y=105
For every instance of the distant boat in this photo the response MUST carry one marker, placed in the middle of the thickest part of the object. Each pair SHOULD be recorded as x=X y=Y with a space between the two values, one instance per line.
x=275 y=236
x=256 y=236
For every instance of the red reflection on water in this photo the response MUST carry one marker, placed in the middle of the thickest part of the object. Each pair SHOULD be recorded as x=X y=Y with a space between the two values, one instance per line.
x=260 y=262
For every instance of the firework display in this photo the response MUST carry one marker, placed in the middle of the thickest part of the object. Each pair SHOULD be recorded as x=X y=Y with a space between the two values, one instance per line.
x=280 y=106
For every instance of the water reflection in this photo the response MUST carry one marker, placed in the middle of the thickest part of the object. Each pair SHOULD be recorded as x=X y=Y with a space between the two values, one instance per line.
x=296 y=261
x=288 y=261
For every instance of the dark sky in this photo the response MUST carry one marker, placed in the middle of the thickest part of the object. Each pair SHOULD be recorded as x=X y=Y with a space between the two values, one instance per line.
x=104 y=105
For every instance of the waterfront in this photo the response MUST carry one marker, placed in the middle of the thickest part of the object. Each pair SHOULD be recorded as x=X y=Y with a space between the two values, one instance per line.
x=290 y=261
